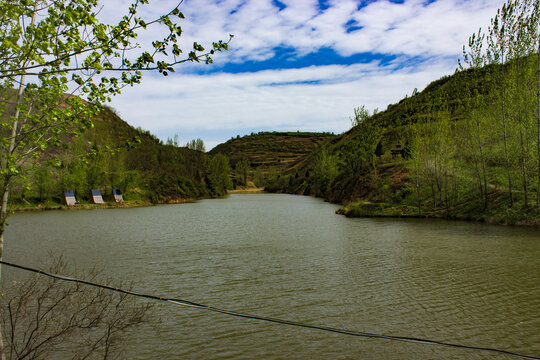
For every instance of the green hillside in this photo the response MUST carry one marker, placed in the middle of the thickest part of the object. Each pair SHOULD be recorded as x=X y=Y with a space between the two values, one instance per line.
x=271 y=149
x=465 y=147
x=113 y=155
x=259 y=159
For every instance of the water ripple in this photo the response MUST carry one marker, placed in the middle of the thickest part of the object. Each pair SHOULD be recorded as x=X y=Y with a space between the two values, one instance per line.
x=291 y=257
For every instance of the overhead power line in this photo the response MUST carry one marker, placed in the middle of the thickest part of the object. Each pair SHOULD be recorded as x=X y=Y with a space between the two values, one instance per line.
x=192 y=304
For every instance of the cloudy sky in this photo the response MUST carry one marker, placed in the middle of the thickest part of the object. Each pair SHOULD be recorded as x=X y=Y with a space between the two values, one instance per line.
x=296 y=64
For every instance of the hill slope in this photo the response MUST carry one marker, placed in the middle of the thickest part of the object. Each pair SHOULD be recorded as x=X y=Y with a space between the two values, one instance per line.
x=465 y=147
x=271 y=149
x=114 y=155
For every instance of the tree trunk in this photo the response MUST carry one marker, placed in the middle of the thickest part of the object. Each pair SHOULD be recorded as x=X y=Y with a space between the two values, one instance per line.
x=481 y=150
x=5 y=189
x=521 y=139
x=538 y=126
x=3 y=214
x=477 y=169
x=454 y=183
x=446 y=189
x=418 y=194
x=6 y=165
x=505 y=137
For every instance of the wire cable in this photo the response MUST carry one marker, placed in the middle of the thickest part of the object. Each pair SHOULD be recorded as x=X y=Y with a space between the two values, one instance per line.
x=188 y=303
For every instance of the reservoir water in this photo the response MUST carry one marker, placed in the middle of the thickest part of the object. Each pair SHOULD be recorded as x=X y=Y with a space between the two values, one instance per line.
x=291 y=257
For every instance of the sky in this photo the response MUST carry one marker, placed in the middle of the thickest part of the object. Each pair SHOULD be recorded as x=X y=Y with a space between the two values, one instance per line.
x=294 y=65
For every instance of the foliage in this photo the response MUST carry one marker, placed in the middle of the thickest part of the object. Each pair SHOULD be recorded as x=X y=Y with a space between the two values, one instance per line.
x=325 y=170
x=359 y=150
x=49 y=48
x=173 y=141
x=242 y=169
x=218 y=175
x=453 y=149
x=58 y=64
x=267 y=150
x=197 y=145
x=361 y=114
x=150 y=171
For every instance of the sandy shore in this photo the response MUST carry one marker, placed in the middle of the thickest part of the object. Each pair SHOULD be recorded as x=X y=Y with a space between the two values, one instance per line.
x=246 y=191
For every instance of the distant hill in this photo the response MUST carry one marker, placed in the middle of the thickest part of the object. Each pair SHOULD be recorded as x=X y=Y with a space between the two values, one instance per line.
x=446 y=94
x=465 y=147
x=277 y=150
x=114 y=155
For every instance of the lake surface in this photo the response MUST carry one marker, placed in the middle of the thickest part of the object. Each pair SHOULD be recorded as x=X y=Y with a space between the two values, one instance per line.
x=291 y=257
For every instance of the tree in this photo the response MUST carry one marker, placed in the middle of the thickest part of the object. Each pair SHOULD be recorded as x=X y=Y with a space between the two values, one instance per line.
x=48 y=48
x=43 y=178
x=536 y=11
x=325 y=170
x=242 y=169
x=197 y=145
x=173 y=141
x=361 y=114
x=417 y=153
x=41 y=315
x=497 y=53
x=218 y=175
x=59 y=63
x=474 y=57
x=359 y=151
x=512 y=40
x=522 y=45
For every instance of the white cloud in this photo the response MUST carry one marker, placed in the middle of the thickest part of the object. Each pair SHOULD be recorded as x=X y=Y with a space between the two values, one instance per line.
x=312 y=98
x=219 y=106
x=411 y=28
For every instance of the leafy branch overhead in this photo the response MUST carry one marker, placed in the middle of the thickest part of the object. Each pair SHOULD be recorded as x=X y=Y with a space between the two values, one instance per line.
x=59 y=63
x=52 y=48
x=68 y=42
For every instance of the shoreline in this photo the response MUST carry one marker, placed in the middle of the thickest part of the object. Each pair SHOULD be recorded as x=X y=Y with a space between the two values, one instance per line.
x=83 y=206
x=127 y=204
x=247 y=191
x=106 y=205
x=377 y=210
x=351 y=210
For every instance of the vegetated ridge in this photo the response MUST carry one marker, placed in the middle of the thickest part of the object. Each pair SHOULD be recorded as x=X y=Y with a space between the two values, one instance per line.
x=418 y=158
x=448 y=151
x=267 y=150
x=114 y=155
x=259 y=158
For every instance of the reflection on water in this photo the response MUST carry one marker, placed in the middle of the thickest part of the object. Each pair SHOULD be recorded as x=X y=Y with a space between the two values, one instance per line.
x=292 y=257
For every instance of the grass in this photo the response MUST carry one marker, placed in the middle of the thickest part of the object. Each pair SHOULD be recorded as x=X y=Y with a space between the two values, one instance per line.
x=83 y=205
x=499 y=212
x=369 y=209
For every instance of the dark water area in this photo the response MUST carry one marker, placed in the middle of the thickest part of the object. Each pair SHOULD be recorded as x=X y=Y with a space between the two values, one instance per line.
x=291 y=257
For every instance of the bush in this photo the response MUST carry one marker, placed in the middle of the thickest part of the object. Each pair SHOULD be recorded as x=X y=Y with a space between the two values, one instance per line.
x=42 y=317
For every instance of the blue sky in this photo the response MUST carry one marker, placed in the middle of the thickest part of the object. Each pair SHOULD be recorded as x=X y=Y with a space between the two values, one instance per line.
x=296 y=64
